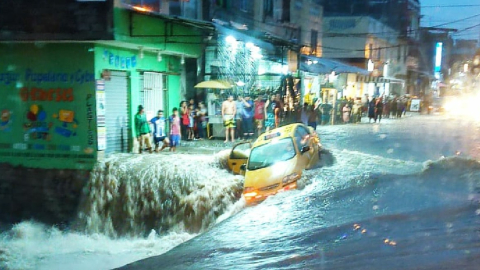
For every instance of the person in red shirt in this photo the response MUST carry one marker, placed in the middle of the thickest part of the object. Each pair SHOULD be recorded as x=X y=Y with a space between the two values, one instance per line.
x=259 y=115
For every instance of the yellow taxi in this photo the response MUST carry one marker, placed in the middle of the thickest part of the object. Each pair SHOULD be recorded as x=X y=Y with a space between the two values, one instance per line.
x=275 y=161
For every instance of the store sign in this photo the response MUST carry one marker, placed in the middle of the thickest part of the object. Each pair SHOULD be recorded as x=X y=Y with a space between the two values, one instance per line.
x=438 y=56
x=51 y=122
x=415 y=105
x=101 y=129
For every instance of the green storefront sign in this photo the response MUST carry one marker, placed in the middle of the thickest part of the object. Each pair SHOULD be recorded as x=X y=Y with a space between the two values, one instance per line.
x=47 y=106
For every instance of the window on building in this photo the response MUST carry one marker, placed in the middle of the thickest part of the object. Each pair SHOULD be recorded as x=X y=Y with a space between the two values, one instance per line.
x=244 y=5
x=370 y=51
x=379 y=53
x=285 y=11
x=281 y=11
x=399 y=53
x=221 y=3
x=314 y=42
x=268 y=8
x=152 y=94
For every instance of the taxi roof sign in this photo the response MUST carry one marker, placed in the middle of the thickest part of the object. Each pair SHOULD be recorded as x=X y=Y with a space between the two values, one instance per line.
x=272 y=135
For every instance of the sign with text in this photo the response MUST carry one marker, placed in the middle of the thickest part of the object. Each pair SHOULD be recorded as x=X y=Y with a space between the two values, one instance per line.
x=48 y=118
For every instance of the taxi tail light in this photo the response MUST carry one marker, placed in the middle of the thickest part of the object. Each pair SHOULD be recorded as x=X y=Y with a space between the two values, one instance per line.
x=250 y=194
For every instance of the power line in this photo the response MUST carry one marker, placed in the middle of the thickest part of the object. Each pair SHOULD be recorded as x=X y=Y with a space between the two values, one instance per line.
x=460 y=20
x=468 y=28
x=450 y=6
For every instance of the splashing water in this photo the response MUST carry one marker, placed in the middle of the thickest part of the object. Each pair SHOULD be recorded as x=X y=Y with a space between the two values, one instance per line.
x=134 y=206
x=132 y=195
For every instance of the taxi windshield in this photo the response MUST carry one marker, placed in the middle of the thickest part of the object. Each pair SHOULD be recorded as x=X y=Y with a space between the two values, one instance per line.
x=268 y=154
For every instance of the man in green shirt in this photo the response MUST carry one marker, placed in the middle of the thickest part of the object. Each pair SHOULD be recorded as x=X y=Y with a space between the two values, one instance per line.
x=142 y=130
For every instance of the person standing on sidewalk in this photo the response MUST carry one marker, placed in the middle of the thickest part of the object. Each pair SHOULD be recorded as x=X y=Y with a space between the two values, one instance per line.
x=259 y=107
x=239 y=116
x=229 y=111
x=202 y=120
x=174 y=130
x=270 y=106
x=185 y=120
x=142 y=130
x=247 y=117
x=159 y=134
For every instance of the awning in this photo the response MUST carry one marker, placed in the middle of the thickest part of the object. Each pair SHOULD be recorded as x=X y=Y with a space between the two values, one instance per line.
x=214 y=84
x=378 y=79
x=324 y=66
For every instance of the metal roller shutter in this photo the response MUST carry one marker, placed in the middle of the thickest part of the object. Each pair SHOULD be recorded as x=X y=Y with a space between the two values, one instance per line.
x=117 y=118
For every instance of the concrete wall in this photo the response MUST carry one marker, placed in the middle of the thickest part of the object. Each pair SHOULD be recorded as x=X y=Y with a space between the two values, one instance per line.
x=50 y=196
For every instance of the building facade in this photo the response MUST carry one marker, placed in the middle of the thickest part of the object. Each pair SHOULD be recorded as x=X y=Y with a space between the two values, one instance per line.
x=72 y=92
x=369 y=44
x=403 y=17
x=72 y=82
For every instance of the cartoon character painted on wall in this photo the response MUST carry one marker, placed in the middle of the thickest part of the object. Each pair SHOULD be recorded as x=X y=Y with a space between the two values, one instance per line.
x=69 y=123
x=6 y=120
x=36 y=126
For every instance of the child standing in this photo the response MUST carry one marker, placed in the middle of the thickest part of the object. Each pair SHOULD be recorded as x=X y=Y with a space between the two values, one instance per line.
x=191 y=124
x=174 y=130
x=159 y=134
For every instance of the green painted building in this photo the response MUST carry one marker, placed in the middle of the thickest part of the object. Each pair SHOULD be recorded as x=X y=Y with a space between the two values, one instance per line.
x=70 y=97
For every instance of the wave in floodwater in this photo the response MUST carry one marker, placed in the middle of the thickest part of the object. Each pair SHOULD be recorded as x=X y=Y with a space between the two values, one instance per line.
x=401 y=215
x=142 y=206
x=132 y=195
x=134 y=206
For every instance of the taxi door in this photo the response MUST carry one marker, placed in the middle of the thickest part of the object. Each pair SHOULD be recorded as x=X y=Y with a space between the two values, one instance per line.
x=302 y=140
x=238 y=156
x=306 y=141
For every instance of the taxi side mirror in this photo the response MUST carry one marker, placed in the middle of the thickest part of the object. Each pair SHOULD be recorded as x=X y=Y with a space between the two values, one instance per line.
x=243 y=167
x=305 y=148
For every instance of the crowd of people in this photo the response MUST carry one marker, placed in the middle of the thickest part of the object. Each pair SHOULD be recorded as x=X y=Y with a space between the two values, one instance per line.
x=246 y=118
x=349 y=110
x=188 y=122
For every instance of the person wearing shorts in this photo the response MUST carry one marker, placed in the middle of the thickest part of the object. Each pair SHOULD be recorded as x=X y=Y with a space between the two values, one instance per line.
x=228 y=114
x=159 y=134
x=174 y=130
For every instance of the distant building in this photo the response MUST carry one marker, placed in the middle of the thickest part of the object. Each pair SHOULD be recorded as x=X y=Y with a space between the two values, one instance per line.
x=403 y=17
x=464 y=49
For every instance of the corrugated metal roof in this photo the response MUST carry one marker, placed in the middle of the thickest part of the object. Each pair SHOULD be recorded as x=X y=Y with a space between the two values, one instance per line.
x=322 y=65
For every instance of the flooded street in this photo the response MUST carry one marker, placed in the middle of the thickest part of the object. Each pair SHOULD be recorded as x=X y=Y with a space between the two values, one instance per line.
x=391 y=200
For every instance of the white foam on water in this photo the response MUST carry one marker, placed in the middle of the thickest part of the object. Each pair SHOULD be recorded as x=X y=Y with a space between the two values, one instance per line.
x=30 y=245
x=134 y=206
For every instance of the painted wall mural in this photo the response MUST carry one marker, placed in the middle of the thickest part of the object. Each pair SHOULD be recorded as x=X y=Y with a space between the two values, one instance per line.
x=48 y=110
